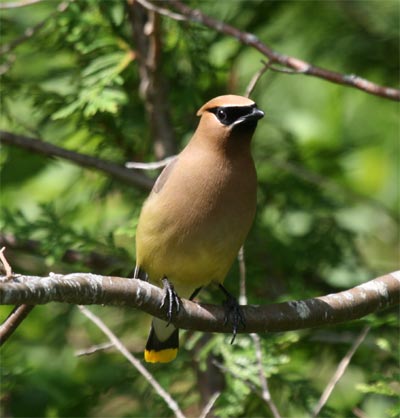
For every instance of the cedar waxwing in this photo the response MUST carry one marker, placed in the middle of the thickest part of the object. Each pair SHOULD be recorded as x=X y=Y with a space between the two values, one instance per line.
x=198 y=214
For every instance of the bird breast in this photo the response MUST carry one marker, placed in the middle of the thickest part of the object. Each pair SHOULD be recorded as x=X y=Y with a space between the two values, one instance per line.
x=192 y=229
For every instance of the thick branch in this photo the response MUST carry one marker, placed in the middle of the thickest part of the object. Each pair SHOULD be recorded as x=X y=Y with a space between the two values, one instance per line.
x=86 y=289
x=286 y=61
x=118 y=172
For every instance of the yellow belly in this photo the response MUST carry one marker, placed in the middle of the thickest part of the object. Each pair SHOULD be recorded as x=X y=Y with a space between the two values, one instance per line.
x=193 y=259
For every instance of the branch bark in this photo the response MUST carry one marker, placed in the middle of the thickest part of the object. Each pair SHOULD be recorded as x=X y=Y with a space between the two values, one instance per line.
x=298 y=65
x=86 y=289
x=118 y=172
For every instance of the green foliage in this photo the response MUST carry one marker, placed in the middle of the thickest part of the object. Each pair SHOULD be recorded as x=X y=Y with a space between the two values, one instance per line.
x=328 y=196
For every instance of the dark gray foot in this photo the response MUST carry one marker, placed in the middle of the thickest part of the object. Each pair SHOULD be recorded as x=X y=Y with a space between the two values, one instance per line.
x=233 y=312
x=170 y=299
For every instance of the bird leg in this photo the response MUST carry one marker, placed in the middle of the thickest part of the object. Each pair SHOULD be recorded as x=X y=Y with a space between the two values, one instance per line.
x=195 y=293
x=170 y=299
x=233 y=312
x=140 y=274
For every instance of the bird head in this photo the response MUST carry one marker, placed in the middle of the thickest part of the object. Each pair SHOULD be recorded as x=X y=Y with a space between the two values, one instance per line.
x=228 y=120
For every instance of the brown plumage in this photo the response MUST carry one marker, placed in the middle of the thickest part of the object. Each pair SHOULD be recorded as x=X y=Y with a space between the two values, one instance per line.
x=201 y=209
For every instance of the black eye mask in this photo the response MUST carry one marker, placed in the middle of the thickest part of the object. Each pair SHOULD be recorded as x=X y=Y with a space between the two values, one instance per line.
x=230 y=114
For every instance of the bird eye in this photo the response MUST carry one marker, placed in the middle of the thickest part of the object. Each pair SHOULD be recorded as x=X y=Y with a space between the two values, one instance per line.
x=222 y=115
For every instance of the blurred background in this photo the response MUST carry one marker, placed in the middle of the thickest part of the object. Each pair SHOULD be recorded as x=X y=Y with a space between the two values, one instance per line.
x=109 y=79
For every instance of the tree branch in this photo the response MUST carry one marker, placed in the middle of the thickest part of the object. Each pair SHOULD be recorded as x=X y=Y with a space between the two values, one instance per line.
x=40 y=147
x=86 y=289
x=147 y=36
x=300 y=66
x=13 y=321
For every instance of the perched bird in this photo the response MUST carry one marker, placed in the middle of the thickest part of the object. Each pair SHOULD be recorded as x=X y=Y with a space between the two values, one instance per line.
x=199 y=213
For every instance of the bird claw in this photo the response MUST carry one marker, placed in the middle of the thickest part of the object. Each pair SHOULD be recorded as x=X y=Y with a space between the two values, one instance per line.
x=170 y=299
x=233 y=313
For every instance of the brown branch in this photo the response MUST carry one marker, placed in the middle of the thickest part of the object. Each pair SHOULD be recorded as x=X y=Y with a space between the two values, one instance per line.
x=118 y=172
x=300 y=66
x=147 y=36
x=86 y=288
x=18 y=314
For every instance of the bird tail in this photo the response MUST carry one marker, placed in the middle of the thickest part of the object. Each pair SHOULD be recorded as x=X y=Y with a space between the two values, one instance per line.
x=163 y=342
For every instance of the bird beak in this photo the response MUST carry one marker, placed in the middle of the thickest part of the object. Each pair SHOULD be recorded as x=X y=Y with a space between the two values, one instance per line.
x=250 y=118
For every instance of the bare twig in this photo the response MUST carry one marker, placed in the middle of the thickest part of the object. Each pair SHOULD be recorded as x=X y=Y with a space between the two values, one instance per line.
x=359 y=413
x=339 y=372
x=108 y=167
x=161 y=11
x=265 y=393
x=303 y=67
x=150 y=166
x=18 y=314
x=242 y=277
x=16 y=4
x=255 y=79
x=134 y=361
x=94 y=349
x=211 y=402
x=6 y=265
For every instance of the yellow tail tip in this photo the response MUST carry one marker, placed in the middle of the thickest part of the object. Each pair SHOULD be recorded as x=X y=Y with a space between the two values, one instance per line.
x=161 y=356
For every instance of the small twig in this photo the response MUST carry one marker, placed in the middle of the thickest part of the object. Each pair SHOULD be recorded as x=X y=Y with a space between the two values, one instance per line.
x=15 y=4
x=93 y=349
x=18 y=314
x=342 y=366
x=134 y=361
x=359 y=413
x=265 y=393
x=150 y=166
x=161 y=10
x=206 y=410
x=7 y=267
x=256 y=77
x=242 y=278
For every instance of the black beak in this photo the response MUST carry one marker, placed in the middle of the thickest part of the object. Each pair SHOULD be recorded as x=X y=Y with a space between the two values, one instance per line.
x=250 y=119
x=255 y=115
